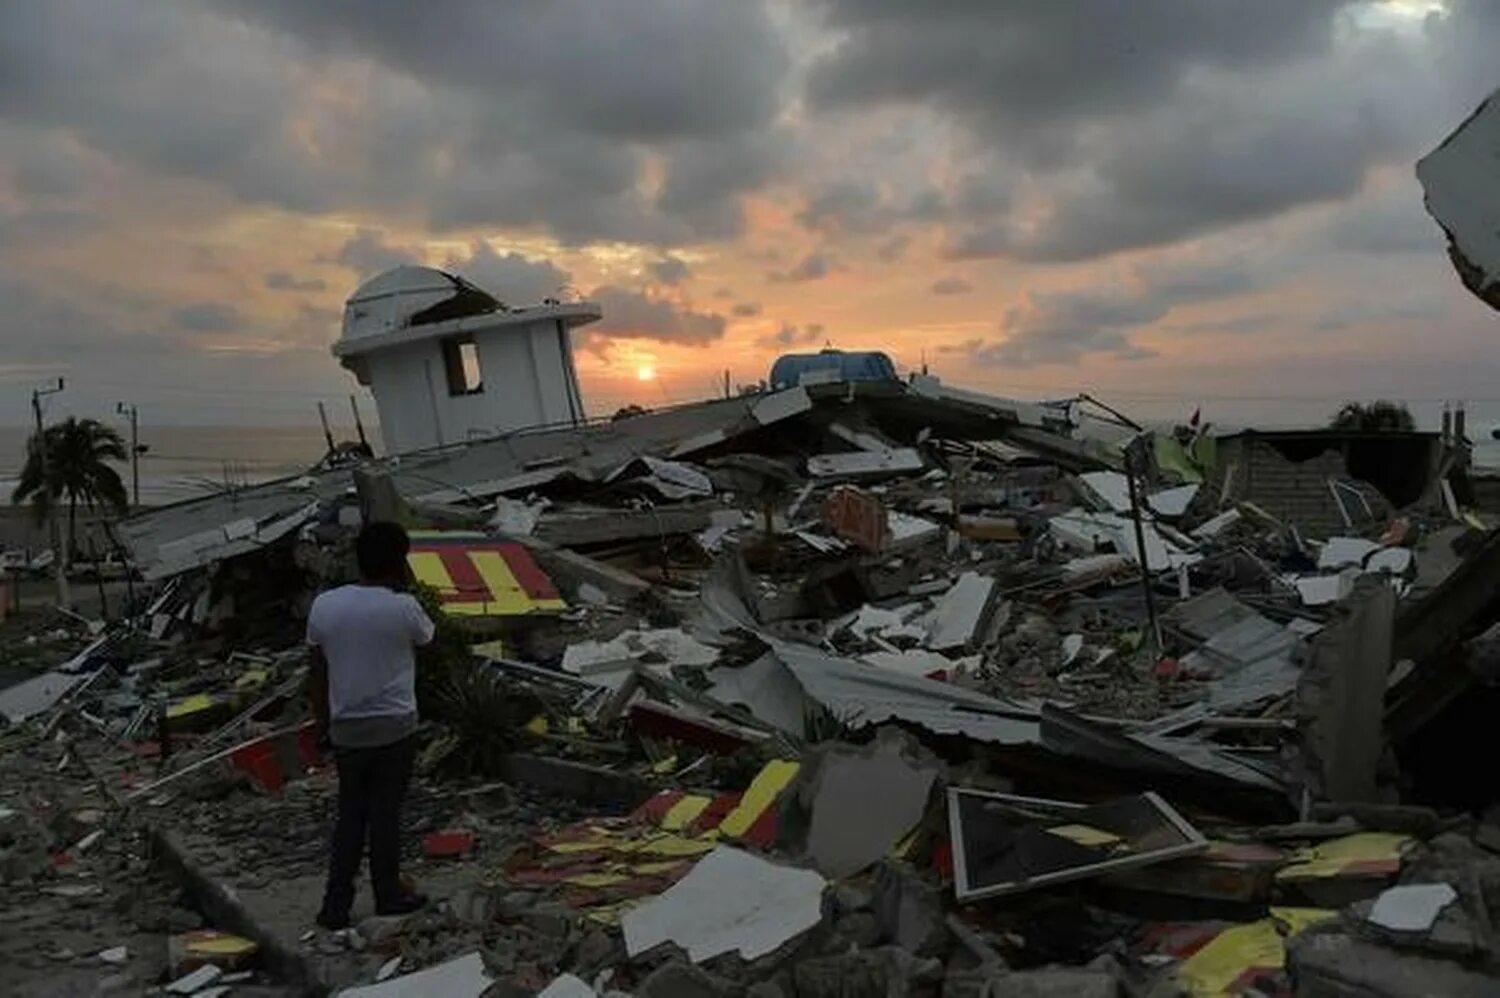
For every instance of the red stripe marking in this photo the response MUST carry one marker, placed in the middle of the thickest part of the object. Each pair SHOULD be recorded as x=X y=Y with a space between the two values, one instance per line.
x=717 y=810
x=468 y=583
x=528 y=573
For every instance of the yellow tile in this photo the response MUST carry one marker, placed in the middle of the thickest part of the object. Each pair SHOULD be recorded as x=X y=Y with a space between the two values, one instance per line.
x=684 y=812
x=429 y=569
x=507 y=597
x=763 y=790
x=1085 y=835
x=1213 y=970
x=1329 y=859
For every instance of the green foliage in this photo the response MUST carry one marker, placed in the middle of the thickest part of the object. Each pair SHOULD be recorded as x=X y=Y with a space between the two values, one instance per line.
x=442 y=660
x=1381 y=416
x=78 y=452
x=485 y=717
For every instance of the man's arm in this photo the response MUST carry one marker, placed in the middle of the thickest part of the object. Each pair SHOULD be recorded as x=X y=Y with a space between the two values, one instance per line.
x=317 y=689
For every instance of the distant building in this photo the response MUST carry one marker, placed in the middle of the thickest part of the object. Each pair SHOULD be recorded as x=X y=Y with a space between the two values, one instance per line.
x=448 y=362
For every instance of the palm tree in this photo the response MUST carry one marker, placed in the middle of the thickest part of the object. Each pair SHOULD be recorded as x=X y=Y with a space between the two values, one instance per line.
x=77 y=452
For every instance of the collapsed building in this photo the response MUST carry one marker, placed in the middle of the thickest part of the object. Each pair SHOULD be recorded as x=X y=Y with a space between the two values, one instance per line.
x=852 y=686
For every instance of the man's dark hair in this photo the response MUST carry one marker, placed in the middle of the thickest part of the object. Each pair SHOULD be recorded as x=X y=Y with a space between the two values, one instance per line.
x=381 y=550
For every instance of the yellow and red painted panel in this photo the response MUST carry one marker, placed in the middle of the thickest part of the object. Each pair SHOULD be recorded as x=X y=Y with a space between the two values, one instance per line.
x=480 y=576
x=606 y=864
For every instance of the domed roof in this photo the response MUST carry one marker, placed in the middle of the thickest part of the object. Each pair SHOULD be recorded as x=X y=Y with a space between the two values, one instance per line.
x=389 y=300
x=406 y=279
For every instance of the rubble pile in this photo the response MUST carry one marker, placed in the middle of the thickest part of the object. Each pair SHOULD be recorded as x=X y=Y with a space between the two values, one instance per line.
x=860 y=688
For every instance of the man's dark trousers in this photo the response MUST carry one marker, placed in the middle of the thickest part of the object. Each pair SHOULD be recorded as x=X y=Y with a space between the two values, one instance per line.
x=372 y=782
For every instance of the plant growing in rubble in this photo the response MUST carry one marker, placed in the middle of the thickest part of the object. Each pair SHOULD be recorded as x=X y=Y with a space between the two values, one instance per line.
x=441 y=659
x=483 y=715
x=76 y=458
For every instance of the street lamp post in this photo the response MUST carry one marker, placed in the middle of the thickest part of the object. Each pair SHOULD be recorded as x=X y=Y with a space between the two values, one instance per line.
x=136 y=450
x=59 y=559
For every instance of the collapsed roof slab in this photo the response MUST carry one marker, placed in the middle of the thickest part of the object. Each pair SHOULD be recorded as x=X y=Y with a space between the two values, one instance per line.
x=1462 y=192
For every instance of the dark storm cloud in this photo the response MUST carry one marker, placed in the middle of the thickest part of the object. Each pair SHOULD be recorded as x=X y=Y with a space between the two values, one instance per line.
x=854 y=207
x=646 y=70
x=893 y=249
x=1064 y=327
x=669 y=270
x=513 y=278
x=792 y=336
x=634 y=316
x=951 y=286
x=208 y=317
x=280 y=280
x=1385 y=222
x=367 y=253
x=1141 y=124
x=1031 y=69
x=465 y=114
x=813 y=267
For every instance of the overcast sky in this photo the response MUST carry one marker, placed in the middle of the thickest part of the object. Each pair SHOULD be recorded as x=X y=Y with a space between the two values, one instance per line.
x=1164 y=202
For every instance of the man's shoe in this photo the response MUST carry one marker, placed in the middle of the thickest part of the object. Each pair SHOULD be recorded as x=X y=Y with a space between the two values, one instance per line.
x=333 y=922
x=403 y=905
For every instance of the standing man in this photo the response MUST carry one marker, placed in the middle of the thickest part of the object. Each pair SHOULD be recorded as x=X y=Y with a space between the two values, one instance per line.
x=362 y=638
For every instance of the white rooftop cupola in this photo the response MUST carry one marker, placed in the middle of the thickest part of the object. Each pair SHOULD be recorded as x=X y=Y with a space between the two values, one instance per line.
x=447 y=361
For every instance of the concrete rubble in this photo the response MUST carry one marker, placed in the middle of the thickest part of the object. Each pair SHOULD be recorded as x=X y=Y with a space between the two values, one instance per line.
x=873 y=688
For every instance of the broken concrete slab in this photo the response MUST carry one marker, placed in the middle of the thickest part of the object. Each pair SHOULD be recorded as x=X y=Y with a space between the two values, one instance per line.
x=909 y=909
x=668 y=479
x=462 y=977
x=1411 y=907
x=1341 y=696
x=1329 y=962
x=731 y=901
x=568 y=986
x=608 y=662
x=583 y=526
x=1172 y=503
x=1458 y=181
x=959 y=612
x=1110 y=490
x=860 y=802
x=865 y=463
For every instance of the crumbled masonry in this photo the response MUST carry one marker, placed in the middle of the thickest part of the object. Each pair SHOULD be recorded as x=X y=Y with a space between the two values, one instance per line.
x=844 y=689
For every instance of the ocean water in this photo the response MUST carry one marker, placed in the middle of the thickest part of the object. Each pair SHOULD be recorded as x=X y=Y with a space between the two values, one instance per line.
x=187 y=461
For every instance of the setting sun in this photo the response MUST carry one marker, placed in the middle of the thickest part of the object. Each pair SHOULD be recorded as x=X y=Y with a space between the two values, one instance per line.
x=645 y=373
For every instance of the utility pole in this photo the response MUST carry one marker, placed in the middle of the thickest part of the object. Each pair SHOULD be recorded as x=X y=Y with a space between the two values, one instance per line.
x=59 y=558
x=128 y=409
x=359 y=424
x=327 y=433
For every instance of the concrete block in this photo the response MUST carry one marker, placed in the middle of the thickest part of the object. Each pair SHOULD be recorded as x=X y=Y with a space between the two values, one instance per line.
x=682 y=980
x=1341 y=696
x=1325 y=962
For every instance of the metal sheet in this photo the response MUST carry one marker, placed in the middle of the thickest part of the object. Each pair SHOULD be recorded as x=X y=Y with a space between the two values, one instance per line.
x=861 y=695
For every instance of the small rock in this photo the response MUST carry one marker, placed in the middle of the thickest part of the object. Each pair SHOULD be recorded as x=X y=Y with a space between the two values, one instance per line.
x=552 y=920
x=597 y=950
x=682 y=980
x=909 y=910
x=860 y=929
x=849 y=898
x=379 y=929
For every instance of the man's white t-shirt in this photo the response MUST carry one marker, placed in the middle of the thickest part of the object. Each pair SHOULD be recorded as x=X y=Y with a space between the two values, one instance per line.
x=367 y=634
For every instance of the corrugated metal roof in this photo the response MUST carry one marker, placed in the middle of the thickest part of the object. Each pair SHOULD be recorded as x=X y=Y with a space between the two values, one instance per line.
x=860 y=695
